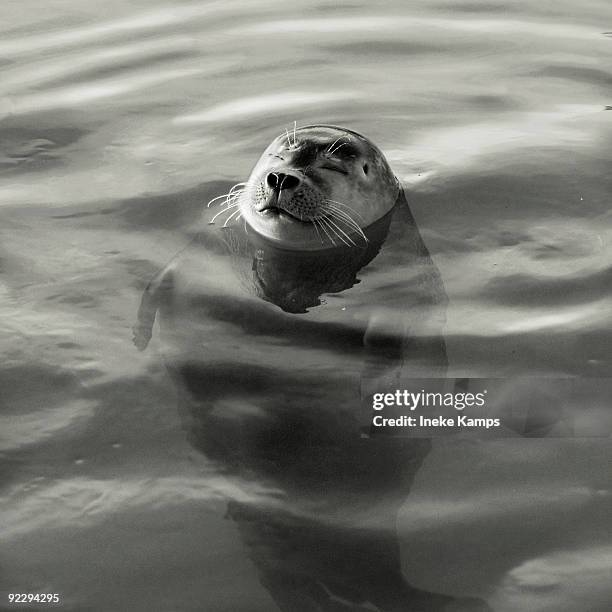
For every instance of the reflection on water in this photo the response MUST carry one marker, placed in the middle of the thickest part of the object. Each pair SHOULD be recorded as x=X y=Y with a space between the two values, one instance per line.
x=118 y=123
x=296 y=280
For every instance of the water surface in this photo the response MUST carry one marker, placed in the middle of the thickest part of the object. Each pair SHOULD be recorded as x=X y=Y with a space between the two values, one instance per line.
x=118 y=122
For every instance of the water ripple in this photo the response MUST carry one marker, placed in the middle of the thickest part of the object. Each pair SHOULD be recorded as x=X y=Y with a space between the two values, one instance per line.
x=160 y=19
x=377 y=24
x=247 y=108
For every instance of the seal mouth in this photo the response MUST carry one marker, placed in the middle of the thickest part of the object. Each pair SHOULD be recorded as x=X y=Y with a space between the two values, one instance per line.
x=274 y=207
x=276 y=210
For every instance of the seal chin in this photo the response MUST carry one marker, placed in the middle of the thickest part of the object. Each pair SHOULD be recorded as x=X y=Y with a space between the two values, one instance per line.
x=285 y=230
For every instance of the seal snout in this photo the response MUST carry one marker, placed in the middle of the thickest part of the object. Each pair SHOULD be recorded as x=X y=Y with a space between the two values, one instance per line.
x=279 y=191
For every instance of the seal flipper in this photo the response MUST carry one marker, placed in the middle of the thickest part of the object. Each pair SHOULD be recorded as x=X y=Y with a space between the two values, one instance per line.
x=152 y=297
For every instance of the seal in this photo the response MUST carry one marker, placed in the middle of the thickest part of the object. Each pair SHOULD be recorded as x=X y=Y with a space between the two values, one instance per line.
x=274 y=330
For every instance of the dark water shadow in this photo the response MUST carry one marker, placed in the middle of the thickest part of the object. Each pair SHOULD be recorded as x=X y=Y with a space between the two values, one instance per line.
x=524 y=290
x=573 y=353
x=182 y=209
x=31 y=149
x=577 y=74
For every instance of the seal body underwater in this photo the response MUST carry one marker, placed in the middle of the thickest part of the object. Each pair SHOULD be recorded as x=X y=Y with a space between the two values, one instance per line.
x=274 y=328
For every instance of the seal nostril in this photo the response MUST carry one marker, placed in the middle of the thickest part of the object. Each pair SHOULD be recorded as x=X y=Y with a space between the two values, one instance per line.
x=289 y=182
x=278 y=180
x=365 y=168
x=272 y=180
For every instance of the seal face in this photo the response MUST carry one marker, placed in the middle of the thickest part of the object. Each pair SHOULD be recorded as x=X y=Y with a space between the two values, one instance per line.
x=318 y=187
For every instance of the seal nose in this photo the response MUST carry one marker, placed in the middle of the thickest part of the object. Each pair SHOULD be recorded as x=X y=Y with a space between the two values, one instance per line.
x=280 y=181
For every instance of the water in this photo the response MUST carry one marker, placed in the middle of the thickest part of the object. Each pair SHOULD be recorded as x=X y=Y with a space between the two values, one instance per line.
x=118 y=122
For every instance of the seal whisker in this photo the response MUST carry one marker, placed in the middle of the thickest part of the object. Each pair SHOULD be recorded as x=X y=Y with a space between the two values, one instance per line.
x=234 y=190
x=321 y=220
x=234 y=197
x=315 y=224
x=349 y=225
x=333 y=205
x=329 y=206
x=333 y=228
x=291 y=144
x=331 y=146
x=232 y=200
x=225 y=195
x=326 y=227
x=294 y=136
x=232 y=215
x=338 y=147
x=237 y=187
x=229 y=207
x=345 y=206
x=341 y=213
x=339 y=229
x=343 y=217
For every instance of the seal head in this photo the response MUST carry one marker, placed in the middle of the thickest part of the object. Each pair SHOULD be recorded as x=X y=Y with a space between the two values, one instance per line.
x=318 y=187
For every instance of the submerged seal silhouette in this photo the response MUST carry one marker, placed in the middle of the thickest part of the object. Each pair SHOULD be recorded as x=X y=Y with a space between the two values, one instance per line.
x=317 y=187
x=270 y=375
